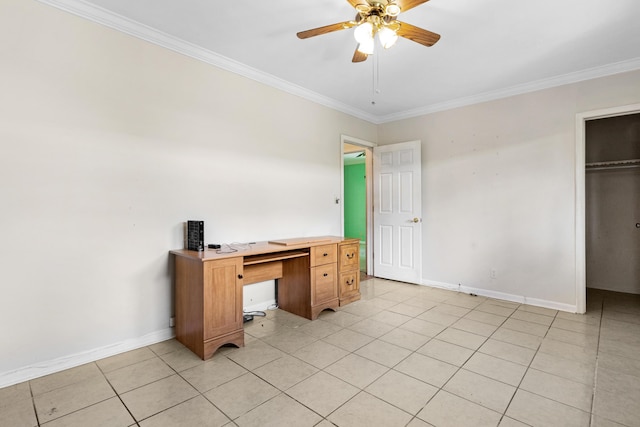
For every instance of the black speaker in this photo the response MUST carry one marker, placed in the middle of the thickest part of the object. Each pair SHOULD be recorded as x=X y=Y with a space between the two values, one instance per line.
x=195 y=235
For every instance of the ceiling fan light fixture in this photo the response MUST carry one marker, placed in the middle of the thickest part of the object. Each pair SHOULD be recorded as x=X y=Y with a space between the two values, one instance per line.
x=366 y=47
x=392 y=10
x=363 y=8
x=364 y=33
x=387 y=37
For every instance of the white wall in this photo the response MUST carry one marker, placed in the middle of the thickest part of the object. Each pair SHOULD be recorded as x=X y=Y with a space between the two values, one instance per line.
x=108 y=144
x=498 y=189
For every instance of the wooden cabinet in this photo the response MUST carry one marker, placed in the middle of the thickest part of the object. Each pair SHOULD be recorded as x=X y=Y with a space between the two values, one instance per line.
x=223 y=297
x=324 y=279
x=208 y=304
x=348 y=271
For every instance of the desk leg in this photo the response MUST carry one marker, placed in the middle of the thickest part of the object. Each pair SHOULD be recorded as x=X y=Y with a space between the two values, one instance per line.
x=294 y=288
x=210 y=346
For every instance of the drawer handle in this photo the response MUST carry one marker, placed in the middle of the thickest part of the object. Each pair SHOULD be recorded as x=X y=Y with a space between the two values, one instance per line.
x=325 y=254
x=350 y=282
x=240 y=276
x=325 y=274
x=351 y=255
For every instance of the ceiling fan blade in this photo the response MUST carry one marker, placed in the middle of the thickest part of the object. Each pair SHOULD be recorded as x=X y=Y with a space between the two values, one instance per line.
x=359 y=56
x=418 y=35
x=324 y=30
x=409 y=4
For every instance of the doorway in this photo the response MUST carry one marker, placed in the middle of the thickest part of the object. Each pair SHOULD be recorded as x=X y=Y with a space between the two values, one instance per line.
x=357 y=165
x=581 y=185
x=612 y=200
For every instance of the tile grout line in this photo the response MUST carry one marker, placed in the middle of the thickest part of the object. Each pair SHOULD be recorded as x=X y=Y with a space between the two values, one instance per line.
x=118 y=394
x=595 y=368
x=527 y=370
x=33 y=404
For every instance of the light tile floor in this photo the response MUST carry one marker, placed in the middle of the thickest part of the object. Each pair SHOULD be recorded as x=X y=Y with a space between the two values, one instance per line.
x=404 y=355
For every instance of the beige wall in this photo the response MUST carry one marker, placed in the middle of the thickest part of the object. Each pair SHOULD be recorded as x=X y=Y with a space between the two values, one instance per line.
x=498 y=189
x=108 y=144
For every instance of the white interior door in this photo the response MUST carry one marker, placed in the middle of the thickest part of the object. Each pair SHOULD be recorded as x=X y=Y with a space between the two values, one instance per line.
x=397 y=207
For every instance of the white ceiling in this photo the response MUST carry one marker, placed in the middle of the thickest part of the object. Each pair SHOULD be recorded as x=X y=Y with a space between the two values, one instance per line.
x=489 y=49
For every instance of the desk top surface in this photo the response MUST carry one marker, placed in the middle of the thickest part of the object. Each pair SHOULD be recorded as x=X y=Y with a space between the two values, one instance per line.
x=259 y=248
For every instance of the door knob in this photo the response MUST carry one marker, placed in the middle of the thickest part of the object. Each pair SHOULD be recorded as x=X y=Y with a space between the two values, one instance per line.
x=637 y=224
x=415 y=220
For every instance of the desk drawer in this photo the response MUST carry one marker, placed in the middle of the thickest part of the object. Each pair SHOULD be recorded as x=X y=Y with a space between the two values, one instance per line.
x=325 y=254
x=324 y=283
x=349 y=258
x=262 y=272
x=349 y=283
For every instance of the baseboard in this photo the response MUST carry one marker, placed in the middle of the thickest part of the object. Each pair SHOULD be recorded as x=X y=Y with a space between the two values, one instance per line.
x=613 y=289
x=441 y=285
x=552 y=305
x=262 y=306
x=60 y=364
x=521 y=299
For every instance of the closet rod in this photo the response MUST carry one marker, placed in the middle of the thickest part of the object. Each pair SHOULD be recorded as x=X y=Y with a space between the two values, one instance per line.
x=619 y=164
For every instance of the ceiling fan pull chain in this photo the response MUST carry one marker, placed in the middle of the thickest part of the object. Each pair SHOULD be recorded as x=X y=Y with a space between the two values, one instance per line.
x=375 y=78
x=377 y=58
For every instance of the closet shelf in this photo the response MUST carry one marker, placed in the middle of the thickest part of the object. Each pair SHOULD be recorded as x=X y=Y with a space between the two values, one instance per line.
x=617 y=164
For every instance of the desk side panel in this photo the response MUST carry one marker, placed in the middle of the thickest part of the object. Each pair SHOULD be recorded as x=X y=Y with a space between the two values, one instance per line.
x=294 y=288
x=189 y=303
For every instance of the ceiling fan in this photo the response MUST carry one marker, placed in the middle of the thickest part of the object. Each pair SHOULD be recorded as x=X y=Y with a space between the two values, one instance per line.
x=378 y=17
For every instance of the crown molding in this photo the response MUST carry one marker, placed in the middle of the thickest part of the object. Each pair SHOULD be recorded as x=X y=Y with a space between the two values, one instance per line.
x=120 y=23
x=136 y=29
x=578 y=76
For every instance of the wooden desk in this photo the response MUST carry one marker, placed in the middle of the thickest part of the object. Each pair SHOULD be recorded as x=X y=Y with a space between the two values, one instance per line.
x=313 y=274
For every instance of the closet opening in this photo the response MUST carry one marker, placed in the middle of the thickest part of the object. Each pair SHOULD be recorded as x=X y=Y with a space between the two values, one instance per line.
x=612 y=202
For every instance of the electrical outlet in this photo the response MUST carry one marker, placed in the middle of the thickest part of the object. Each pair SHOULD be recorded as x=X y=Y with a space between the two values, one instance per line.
x=493 y=273
x=172 y=322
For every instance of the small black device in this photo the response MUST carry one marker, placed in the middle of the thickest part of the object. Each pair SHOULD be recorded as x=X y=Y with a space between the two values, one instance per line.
x=195 y=235
x=213 y=246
